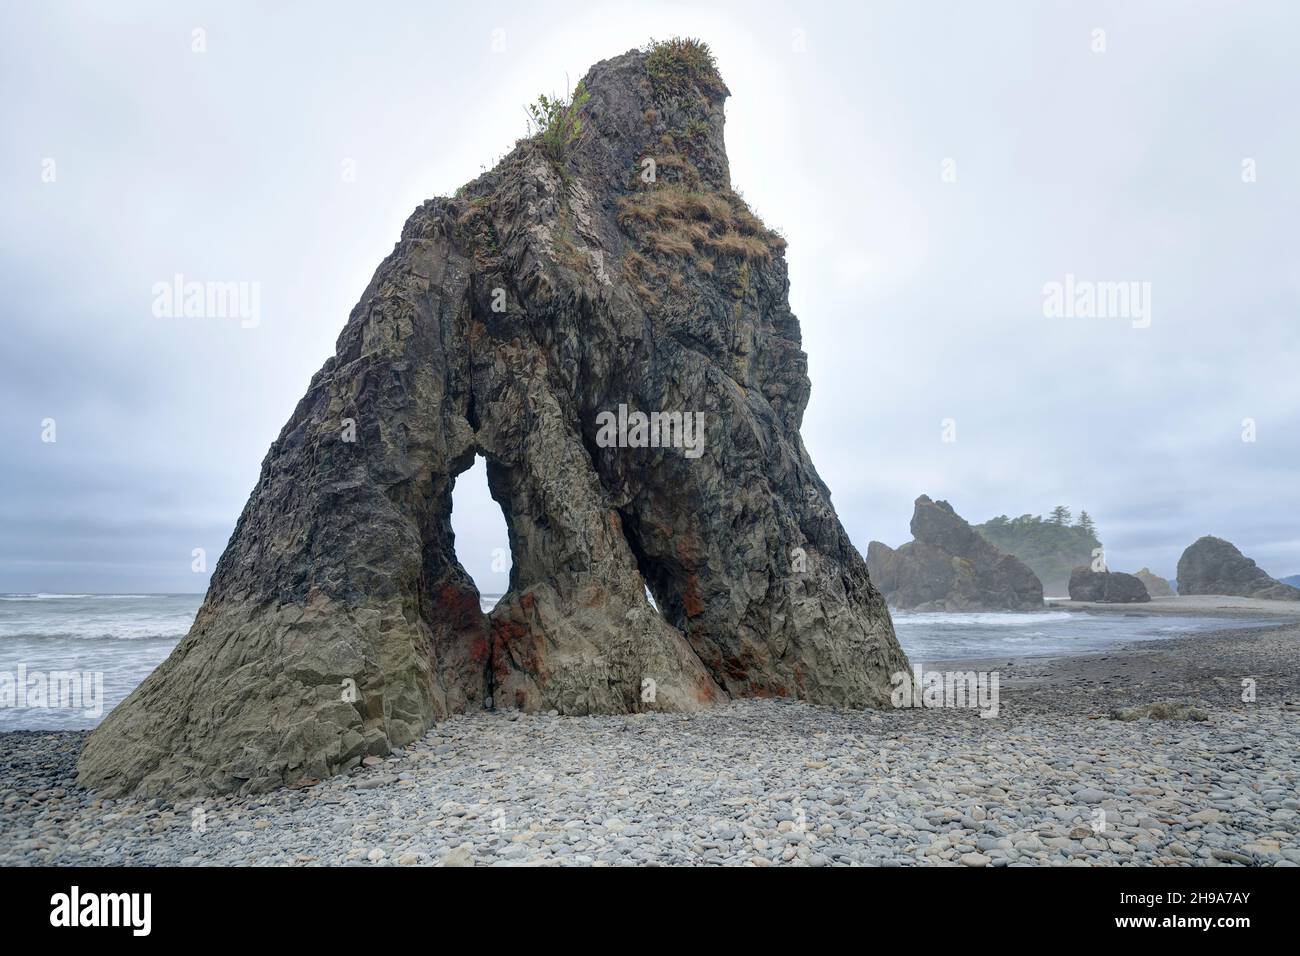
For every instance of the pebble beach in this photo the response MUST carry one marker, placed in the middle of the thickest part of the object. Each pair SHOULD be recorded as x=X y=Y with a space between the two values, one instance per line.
x=1071 y=772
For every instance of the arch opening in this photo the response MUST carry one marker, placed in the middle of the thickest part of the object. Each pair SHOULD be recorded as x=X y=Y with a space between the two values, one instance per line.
x=480 y=536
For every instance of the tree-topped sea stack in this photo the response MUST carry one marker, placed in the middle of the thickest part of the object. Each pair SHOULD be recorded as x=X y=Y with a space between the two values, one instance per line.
x=948 y=566
x=604 y=271
x=1051 y=547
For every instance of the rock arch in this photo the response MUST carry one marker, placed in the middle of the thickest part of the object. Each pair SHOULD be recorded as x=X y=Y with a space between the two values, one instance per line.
x=339 y=623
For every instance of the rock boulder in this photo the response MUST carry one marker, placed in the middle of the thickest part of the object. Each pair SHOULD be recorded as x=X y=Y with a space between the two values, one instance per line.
x=1107 y=587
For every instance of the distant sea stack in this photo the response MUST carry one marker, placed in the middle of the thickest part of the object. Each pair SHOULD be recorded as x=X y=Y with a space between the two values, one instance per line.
x=1050 y=546
x=1107 y=587
x=1214 y=566
x=1156 y=585
x=949 y=567
x=557 y=293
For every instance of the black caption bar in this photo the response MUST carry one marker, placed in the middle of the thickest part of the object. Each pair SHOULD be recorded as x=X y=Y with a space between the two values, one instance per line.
x=332 y=906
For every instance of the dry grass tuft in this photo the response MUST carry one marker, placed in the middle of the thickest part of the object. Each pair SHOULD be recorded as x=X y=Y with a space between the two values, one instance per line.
x=740 y=246
x=696 y=225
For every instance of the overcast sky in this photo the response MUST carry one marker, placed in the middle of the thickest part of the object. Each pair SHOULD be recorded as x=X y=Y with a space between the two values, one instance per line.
x=291 y=149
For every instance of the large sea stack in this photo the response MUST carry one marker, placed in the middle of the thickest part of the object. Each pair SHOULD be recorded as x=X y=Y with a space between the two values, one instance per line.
x=600 y=273
x=950 y=567
x=1214 y=566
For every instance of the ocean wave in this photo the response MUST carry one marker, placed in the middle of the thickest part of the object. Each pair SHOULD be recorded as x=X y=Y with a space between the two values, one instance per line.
x=76 y=597
x=979 y=618
x=95 y=634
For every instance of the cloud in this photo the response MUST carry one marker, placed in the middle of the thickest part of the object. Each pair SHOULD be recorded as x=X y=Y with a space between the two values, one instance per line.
x=920 y=298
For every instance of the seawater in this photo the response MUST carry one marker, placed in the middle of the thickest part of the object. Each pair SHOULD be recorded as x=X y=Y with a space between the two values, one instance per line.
x=125 y=636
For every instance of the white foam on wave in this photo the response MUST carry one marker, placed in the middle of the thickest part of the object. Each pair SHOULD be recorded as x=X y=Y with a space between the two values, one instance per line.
x=51 y=619
x=96 y=634
x=75 y=597
x=980 y=618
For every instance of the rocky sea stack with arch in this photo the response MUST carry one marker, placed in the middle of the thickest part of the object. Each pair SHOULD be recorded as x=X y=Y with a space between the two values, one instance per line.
x=564 y=283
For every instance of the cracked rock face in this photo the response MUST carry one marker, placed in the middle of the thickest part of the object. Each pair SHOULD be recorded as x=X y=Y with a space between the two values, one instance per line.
x=1214 y=566
x=950 y=567
x=532 y=319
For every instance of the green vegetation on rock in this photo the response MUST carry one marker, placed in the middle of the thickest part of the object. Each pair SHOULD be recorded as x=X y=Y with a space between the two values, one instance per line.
x=557 y=121
x=678 y=64
x=1051 y=546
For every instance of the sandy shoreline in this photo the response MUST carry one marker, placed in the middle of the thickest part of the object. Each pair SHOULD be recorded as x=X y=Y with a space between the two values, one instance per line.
x=1052 y=780
x=1200 y=605
x=1206 y=668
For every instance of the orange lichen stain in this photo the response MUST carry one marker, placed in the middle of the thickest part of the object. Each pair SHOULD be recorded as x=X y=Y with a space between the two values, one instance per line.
x=514 y=641
x=503 y=634
x=462 y=603
x=738 y=668
x=691 y=597
x=527 y=602
x=706 y=692
x=505 y=631
x=615 y=523
x=500 y=669
x=480 y=650
x=689 y=549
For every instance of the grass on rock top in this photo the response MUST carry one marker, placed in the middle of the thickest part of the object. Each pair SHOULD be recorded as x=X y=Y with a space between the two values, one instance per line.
x=678 y=64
